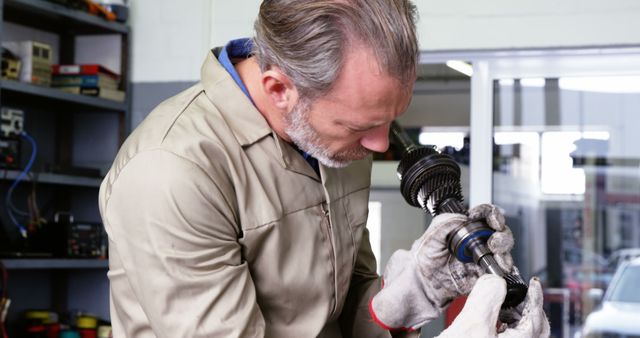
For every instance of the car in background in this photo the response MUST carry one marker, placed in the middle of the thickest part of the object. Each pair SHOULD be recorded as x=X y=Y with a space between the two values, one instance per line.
x=619 y=313
x=623 y=255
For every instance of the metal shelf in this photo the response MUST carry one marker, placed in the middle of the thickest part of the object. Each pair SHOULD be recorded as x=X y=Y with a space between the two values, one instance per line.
x=55 y=263
x=15 y=90
x=50 y=178
x=49 y=16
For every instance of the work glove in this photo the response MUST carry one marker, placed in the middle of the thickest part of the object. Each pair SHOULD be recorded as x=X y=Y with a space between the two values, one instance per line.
x=481 y=311
x=419 y=283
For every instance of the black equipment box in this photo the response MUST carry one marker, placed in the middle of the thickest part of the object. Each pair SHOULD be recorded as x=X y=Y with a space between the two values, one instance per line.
x=65 y=237
x=11 y=125
x=86 y=239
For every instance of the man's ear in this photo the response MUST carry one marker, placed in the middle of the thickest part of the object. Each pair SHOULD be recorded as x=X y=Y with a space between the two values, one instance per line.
x=279 y=89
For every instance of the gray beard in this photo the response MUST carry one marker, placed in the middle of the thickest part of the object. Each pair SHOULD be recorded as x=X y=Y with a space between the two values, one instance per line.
x=305 y=137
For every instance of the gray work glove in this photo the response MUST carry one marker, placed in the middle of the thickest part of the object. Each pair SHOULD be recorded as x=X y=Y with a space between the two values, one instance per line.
x=481 y=311
x=419 y=283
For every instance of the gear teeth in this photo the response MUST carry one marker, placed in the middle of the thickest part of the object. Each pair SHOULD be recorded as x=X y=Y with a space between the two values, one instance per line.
x=428 y=178
x=516 y=290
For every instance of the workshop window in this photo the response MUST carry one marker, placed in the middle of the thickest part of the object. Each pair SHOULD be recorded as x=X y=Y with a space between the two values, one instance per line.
x=566 y=170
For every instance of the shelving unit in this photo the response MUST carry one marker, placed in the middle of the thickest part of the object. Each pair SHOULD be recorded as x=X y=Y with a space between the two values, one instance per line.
x=50 y=178
x=53 y=17
x=20 y=92
x=66 y=126
x=53 y=263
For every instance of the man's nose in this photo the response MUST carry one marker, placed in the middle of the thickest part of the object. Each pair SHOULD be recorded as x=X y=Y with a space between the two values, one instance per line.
x=376 y=139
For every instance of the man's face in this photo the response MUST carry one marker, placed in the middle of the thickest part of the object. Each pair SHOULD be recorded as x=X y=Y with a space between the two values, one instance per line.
x=353 y=119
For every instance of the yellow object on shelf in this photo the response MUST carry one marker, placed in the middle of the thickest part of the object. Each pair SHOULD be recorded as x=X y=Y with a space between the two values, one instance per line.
x=104 y=331
x=10 y=65
x=86 y=322
x=45 y=317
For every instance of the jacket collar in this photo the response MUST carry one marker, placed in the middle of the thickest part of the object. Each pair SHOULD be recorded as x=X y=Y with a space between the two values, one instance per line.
x=245 y=121
x=293 y=160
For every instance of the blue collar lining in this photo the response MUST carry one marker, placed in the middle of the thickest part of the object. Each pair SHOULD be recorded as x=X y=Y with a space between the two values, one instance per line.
x=239 y=48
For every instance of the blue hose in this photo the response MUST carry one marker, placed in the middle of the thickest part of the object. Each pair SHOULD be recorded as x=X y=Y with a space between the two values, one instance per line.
x=21 y=176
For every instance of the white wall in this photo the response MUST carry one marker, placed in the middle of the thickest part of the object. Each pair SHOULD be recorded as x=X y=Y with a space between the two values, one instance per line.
x=172 y=37
x=232 y=20
x=169 y=39
x=505 y=24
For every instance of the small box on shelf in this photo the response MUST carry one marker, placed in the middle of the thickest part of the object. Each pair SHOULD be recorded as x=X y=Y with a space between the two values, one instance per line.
x=35 y=59
x=11 y=126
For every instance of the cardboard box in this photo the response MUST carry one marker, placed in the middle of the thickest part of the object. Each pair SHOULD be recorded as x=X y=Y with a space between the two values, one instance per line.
x=36 y=58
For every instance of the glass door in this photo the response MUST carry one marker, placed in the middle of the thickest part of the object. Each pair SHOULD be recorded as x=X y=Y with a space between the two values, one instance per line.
x=565 y=166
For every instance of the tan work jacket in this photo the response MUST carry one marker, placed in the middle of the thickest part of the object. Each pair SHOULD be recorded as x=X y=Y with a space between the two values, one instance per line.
x=218 y=228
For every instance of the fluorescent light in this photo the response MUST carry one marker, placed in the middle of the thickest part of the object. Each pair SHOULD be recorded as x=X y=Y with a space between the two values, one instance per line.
x=460 y=66
x=601 y=84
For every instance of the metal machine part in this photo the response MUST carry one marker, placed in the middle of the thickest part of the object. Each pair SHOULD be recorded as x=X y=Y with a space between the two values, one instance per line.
x=431 y=181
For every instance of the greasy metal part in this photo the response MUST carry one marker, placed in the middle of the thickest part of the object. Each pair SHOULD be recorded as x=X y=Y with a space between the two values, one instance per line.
x=431 y=181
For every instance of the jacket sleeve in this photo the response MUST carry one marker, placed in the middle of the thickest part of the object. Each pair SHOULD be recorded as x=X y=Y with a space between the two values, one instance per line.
x=176 y=234
x=355 y=320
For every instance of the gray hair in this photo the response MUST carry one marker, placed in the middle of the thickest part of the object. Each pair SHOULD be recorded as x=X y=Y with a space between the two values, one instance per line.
x=307 y=39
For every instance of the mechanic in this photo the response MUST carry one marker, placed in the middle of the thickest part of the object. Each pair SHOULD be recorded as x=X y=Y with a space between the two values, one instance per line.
x=237 y=208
